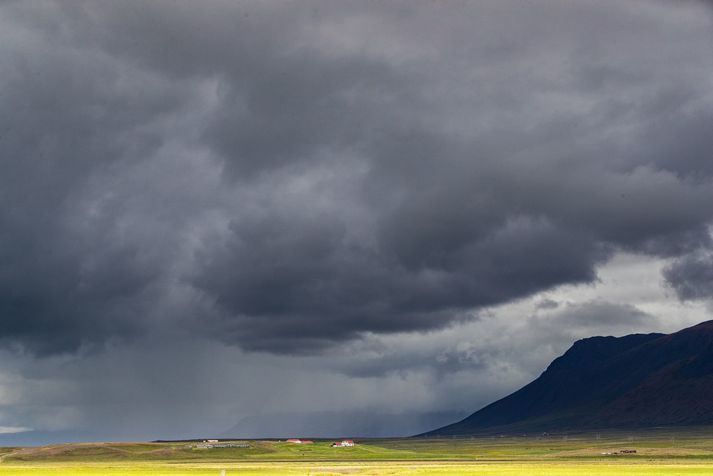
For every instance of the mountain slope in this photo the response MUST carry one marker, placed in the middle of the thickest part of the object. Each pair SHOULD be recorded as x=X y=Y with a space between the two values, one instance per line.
x=640 y=380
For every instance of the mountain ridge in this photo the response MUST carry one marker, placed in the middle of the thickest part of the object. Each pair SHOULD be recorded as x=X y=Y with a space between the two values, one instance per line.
x=633 y=381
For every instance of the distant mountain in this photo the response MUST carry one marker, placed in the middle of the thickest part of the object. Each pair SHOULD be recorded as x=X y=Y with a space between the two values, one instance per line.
x=635 y=381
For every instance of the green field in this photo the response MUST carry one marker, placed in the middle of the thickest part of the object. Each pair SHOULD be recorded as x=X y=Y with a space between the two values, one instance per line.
x=657 y=452
x=366 y=468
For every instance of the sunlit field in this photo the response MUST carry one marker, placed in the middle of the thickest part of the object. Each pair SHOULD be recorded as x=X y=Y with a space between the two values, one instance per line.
x=607 y=453
x=363 y=468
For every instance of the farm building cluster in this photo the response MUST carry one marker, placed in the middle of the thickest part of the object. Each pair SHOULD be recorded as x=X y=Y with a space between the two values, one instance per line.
x=622 y=452
x=339 y=444
x=336 y=444
x=208 y=444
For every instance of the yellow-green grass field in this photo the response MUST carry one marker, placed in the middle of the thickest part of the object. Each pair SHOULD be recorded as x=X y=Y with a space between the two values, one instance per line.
x=658 y=452
x=362 y=468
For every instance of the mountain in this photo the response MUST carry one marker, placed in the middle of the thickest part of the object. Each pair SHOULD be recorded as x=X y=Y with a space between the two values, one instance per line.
x=635 y=381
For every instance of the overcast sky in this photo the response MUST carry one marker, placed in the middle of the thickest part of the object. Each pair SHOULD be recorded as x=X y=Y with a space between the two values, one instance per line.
x=262 y=218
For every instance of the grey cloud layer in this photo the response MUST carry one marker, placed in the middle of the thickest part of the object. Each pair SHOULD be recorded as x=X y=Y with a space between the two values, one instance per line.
x=691 y=276
x=284 y=177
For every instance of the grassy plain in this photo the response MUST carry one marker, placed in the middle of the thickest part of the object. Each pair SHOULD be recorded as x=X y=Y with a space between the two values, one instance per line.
x=362 y=468
x=658 y=452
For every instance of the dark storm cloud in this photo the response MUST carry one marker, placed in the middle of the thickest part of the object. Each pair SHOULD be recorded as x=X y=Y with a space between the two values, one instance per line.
x=67 y=272
x=287 y=176
x=691 y=276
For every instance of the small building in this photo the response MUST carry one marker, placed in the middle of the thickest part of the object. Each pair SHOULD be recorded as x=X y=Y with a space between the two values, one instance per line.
x=343 y=443
x=208 y=446
x=299 y=441
x=210 y=441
